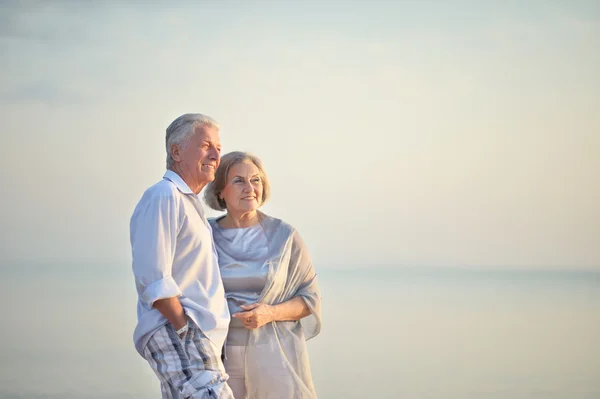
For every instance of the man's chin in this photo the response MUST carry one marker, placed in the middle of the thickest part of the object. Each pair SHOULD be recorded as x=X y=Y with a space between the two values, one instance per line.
x=208 y=176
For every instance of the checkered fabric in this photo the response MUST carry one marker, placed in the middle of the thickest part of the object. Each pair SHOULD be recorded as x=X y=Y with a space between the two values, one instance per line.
x=188 y=367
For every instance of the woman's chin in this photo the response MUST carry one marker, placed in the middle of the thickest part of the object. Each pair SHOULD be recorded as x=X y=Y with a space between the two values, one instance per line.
x=245 y=209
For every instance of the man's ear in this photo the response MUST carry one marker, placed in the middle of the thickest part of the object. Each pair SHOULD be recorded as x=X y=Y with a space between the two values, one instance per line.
x=175 y=152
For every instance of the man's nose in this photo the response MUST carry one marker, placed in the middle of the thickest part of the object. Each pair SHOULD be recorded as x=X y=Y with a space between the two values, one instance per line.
x=213 y=153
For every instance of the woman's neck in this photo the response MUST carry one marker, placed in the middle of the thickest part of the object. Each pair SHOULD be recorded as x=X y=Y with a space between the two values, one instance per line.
x=237 y=221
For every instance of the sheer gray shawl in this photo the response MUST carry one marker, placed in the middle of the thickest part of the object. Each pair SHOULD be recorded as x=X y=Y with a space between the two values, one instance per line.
x=277 y=365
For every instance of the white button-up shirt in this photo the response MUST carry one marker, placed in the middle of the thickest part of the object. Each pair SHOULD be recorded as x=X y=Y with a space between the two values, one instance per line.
x=174 y=256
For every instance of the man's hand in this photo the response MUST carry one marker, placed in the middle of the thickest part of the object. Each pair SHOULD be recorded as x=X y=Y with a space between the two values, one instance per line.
x=256 y=315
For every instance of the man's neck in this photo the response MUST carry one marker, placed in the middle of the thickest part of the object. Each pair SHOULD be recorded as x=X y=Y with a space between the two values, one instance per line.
x=193 y=185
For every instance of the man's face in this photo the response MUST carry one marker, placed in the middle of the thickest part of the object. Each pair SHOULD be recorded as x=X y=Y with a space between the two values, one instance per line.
x=198 y=157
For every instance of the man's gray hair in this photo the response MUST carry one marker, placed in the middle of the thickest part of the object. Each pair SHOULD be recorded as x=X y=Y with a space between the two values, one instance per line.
x=182 y=128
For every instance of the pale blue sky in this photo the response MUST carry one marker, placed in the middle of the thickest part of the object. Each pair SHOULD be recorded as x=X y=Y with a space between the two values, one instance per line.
x=430 y=133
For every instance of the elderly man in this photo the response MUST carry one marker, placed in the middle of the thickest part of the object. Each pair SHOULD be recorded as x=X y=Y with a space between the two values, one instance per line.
x=182 y=310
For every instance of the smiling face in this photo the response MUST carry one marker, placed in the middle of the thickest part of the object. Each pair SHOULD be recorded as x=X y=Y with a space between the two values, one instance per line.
x=198 y=157
x=244 y=189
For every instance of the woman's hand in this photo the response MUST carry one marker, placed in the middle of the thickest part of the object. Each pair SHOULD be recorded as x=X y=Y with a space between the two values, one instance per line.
x=255 y=315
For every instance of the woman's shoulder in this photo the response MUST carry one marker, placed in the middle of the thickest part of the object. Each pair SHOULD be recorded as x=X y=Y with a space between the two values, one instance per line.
x=275 y=227
x=213 y=220
x=282 y=232
x=275 y=223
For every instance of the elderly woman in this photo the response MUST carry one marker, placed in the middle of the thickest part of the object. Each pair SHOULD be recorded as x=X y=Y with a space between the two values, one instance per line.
x=270 y=285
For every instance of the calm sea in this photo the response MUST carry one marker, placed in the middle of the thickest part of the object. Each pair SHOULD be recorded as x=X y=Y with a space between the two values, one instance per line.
x=431 y=334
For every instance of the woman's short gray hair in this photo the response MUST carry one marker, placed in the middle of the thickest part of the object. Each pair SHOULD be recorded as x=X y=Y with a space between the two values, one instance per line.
x=214 y=188
x=182 y=128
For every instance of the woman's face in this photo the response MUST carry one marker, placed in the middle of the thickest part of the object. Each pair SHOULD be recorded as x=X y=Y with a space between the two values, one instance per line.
x=243 y=191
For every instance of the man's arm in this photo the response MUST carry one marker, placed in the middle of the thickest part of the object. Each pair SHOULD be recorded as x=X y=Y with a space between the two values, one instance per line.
x=172 y=310
x=153 y=239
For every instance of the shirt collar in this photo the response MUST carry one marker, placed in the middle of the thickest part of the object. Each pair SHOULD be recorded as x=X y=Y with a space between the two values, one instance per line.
x=178 y=182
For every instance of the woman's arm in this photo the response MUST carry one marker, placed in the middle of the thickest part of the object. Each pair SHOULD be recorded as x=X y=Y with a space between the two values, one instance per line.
x=258 y=314
x=294 y=309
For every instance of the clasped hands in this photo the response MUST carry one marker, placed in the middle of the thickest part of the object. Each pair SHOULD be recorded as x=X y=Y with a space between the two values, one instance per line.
x=255 y=315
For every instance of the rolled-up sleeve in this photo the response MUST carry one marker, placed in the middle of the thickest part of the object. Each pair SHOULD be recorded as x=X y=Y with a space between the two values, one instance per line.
x=153 y=233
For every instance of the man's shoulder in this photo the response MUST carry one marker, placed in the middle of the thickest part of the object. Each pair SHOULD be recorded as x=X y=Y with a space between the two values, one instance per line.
x=163 y=188
x=157 y=196
x=163 y=192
